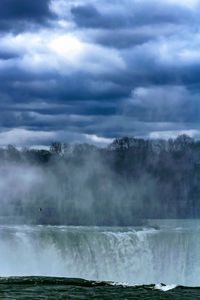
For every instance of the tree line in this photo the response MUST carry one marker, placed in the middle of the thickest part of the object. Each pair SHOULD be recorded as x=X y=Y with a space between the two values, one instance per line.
x=130 y=179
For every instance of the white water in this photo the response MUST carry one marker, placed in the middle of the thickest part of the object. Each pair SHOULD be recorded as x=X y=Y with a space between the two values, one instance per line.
x=170 y=254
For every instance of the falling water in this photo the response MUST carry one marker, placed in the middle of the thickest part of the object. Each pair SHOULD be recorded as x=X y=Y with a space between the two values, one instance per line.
x=169 y=254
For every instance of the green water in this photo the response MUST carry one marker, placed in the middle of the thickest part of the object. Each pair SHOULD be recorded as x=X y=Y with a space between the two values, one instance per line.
x=24 y=288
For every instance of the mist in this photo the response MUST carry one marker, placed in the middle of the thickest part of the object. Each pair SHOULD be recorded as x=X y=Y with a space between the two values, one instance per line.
x=130 y=180
x=71 y=190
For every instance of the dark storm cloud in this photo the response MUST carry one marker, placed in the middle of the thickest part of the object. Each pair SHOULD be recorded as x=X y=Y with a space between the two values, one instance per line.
x=124 y=24
x=133 y=14
x=64 y=90
x=123 y=38
x=16 y=15
x=103 y=68
x=5 y=55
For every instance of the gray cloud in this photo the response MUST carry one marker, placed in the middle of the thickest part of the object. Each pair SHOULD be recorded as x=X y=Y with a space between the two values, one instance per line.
x=16 y=15
x=98 y=69
x=129 y=14
x=163 y=104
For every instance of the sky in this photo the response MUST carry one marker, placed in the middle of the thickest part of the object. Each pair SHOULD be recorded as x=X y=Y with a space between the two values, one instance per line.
x=88 y=71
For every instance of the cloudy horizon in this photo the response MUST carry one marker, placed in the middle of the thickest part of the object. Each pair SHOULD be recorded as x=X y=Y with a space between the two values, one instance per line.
x=90 y=71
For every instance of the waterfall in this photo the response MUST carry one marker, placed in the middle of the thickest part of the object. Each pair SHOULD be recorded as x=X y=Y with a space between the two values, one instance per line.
x=130 y=255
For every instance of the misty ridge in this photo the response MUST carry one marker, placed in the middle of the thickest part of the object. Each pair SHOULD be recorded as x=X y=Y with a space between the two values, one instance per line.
x=81 y=184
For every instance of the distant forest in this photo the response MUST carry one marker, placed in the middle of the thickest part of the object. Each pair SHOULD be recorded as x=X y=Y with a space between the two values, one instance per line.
x=81 y=184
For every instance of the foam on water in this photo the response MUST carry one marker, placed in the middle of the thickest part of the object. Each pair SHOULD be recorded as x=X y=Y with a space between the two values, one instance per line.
x=164 y=287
